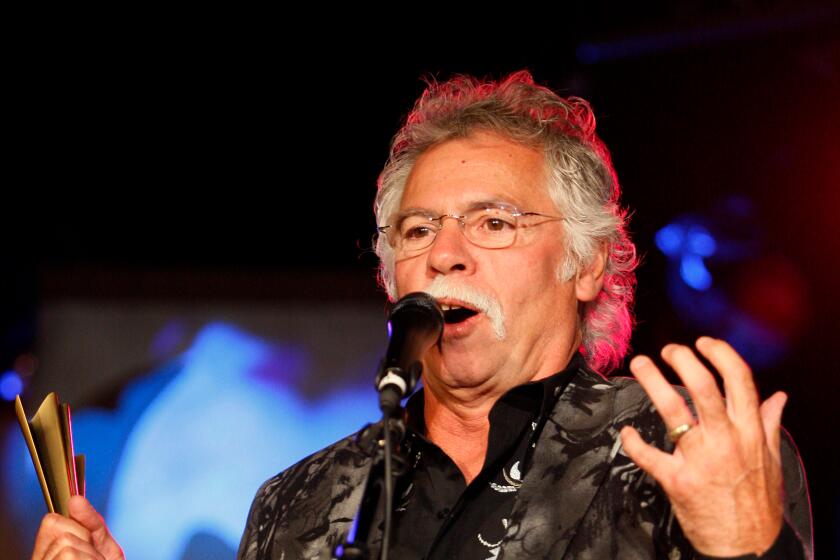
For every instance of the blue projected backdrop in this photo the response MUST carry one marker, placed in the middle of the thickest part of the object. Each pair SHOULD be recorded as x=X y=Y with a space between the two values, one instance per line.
x=189 y=445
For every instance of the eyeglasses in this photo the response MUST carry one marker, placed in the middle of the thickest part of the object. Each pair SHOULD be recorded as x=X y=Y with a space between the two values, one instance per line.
x=491 y=226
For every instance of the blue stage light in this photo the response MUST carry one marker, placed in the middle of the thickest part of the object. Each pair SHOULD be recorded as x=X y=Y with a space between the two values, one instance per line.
x=694 y=272
x=10 y=385
x=700 y=242
x=670 y=239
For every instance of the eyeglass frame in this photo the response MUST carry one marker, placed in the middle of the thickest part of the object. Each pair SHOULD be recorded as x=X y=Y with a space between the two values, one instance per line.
x=515 y=212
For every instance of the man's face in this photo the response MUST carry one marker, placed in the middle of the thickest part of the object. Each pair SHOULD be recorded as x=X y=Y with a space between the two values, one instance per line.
x=540 y=311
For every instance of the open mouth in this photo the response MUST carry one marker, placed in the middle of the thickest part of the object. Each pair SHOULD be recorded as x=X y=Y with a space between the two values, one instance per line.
x=456 y=314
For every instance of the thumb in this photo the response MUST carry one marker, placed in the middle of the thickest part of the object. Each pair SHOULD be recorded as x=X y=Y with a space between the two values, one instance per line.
x=82 y=511
x=771 y=418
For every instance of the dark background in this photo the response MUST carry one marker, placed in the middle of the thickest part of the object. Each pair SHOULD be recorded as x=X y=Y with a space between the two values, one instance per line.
x=234 y=156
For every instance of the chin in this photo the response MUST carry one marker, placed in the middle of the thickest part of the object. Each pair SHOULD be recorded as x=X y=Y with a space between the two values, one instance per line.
x=463 y=370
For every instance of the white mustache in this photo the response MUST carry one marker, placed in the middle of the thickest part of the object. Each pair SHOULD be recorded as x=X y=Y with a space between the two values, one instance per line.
x=447 y=287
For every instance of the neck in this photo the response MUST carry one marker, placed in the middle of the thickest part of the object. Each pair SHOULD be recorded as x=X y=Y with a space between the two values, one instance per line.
x=458 y=420
x=460 y=429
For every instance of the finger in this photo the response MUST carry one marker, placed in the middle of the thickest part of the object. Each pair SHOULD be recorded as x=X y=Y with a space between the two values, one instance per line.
x=700 y=383
x=82 y=511
x=771 y=418
x=670 y=405
x=656 y=463
x=52 y=527
x=69 y=545
x=737 y=377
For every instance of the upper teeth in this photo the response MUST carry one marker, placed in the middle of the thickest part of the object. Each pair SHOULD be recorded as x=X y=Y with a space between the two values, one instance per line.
x=446 y=307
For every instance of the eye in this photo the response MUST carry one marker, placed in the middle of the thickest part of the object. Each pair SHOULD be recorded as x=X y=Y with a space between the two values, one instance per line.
x=416 y=228
x=495 y=223
x=416 y=232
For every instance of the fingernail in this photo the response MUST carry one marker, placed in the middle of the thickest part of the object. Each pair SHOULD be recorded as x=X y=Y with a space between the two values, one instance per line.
x=640 y=360
x=704 y=341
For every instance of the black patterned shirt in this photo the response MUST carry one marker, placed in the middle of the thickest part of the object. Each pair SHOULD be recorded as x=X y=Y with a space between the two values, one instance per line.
x=437 y=514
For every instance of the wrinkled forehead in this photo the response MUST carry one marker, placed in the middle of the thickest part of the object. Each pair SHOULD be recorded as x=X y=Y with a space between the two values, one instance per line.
x=463 y=173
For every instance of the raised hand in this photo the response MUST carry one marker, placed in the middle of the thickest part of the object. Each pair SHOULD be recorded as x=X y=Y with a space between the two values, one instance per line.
x=724 y=479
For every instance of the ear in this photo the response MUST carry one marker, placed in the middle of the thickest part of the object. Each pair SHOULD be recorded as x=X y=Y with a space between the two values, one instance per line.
x=589 y=280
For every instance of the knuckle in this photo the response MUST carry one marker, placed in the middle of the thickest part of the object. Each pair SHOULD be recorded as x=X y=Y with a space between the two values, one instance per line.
x=707 y=390
x=671 y=408
x=66 y=540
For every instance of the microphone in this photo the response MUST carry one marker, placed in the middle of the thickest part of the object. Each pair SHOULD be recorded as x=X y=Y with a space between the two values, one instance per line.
x=414 y=325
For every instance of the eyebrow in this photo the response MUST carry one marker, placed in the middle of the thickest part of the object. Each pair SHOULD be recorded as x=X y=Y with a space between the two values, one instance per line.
x=419 y=211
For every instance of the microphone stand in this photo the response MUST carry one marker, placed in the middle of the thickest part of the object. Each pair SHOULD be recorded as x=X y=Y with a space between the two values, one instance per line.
x=414 y=325
x=382 y=445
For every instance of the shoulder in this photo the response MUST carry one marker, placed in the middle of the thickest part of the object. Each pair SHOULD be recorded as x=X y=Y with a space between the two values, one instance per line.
x=625 y=402
x=311 y=472
x=623 y=394
x=630 y=394
x=296 y=506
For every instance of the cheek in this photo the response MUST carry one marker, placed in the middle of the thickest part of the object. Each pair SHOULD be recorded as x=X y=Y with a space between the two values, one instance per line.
x=406 y=277
x=532 y=270
x=533 y=282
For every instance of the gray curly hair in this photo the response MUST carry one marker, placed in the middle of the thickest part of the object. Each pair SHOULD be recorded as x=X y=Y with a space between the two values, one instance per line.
x=581 y=182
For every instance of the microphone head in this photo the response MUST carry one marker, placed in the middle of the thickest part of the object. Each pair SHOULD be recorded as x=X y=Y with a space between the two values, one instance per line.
x=415 y=324
x=417 y=306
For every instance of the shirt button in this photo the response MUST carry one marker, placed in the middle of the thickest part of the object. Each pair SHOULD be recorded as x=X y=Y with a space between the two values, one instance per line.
x=443 y=514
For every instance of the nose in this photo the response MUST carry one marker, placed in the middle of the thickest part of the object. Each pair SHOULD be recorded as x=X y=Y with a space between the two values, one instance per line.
x=450 y=251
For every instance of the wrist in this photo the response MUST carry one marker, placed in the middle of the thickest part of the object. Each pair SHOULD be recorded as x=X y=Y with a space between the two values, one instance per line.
x=786 y=546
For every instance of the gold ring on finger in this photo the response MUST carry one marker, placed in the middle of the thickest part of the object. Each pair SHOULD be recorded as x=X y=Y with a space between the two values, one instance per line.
x=678 y=432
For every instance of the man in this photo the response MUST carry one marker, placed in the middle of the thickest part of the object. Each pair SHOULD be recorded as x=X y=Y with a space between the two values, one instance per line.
x=501 y=202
